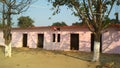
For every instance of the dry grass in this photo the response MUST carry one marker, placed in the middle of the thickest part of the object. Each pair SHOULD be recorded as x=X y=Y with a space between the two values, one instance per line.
x=106 y=60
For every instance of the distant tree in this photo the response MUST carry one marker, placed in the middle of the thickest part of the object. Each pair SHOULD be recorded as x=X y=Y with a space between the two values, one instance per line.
x=59 y=24
x=25 y=21
x=77 y=24
x=1 y=25
x=113 y=21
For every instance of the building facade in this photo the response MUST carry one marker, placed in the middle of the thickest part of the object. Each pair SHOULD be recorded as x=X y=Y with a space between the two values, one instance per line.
x=64 y=38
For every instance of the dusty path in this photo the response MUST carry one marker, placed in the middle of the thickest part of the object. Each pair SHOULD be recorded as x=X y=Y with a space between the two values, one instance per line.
x=41 y=59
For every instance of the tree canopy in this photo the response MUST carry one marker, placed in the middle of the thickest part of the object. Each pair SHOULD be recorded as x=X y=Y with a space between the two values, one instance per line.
x=59 y=24
x=1 y=25
x=77 y=24
x=25 y=21
x=91 y=11
x=94 y=13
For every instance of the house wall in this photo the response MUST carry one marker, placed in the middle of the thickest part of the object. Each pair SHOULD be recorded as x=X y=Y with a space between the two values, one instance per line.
x=64 y=44
x=111 y=41
x=17 y=37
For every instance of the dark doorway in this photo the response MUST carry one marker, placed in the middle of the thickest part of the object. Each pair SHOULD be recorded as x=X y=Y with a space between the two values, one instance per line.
x=92 y=42
x=24 y=40
x=74 y=42
x=40 y=40
x=58 y=38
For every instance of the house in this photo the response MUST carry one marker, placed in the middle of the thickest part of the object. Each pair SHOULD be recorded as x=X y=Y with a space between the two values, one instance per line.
x=65 y=38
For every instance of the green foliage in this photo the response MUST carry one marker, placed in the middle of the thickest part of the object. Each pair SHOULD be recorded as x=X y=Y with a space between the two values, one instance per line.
x=1 y=25
x=25 y=21
x=95 y=13
x=77 y=24
x=113 y=21
x=59 y=24
x=118 y=2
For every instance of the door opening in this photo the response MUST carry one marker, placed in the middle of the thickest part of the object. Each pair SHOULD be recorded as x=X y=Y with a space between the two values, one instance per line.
x=24 y=40
x=74 y=42
x=92 y=42
x=40 y=40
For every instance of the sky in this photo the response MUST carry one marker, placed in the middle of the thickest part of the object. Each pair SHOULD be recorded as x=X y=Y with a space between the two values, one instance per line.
x=40 y=13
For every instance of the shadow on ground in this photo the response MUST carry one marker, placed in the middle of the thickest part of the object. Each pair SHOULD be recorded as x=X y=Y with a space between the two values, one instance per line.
x=106 y=60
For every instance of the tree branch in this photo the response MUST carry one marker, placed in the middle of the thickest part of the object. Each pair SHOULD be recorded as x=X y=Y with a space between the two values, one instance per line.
x=110 y=8
x=90 y=8
x=86 y=10
x=84 y=17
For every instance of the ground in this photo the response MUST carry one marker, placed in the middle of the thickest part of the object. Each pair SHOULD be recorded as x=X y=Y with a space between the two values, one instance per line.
x=39 y=58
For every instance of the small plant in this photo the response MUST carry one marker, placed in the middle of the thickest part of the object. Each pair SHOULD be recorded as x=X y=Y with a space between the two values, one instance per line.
x=108 y=65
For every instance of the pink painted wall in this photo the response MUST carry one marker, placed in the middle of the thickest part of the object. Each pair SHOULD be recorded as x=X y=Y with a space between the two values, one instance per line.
x=64 y=44
x=111 y=39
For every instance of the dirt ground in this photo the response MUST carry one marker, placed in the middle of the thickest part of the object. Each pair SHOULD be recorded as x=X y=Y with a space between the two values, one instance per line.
x=39 y=58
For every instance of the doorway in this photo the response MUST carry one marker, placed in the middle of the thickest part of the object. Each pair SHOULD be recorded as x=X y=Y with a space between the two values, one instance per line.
x=40 y=40
x=74 y=42
x=24 y=40
x=92 y=42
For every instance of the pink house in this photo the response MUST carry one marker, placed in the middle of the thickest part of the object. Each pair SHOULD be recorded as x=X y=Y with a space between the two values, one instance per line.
x=64 y=38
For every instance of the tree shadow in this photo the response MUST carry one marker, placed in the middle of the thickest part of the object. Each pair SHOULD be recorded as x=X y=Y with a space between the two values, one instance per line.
x=111 y=40
x=85 y=56
x=116 y=49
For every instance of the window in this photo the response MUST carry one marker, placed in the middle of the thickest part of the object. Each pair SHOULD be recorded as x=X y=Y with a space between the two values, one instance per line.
x=56 y=38
x=53 y=37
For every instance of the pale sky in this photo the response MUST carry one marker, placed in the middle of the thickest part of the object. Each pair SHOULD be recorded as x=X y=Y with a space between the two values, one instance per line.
x=40 y=13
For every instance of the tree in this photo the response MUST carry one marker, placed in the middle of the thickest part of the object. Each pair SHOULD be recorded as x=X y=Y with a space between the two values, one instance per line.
x=95 y=13
x=77 y=23
x=9 y=8
x=59 y=24
x=25 y=21
x=1 y=26
x=113 y=21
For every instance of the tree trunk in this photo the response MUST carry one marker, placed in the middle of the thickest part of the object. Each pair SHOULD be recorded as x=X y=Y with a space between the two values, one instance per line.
x=8 y=50
x=7 y=35
x=96 y=54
